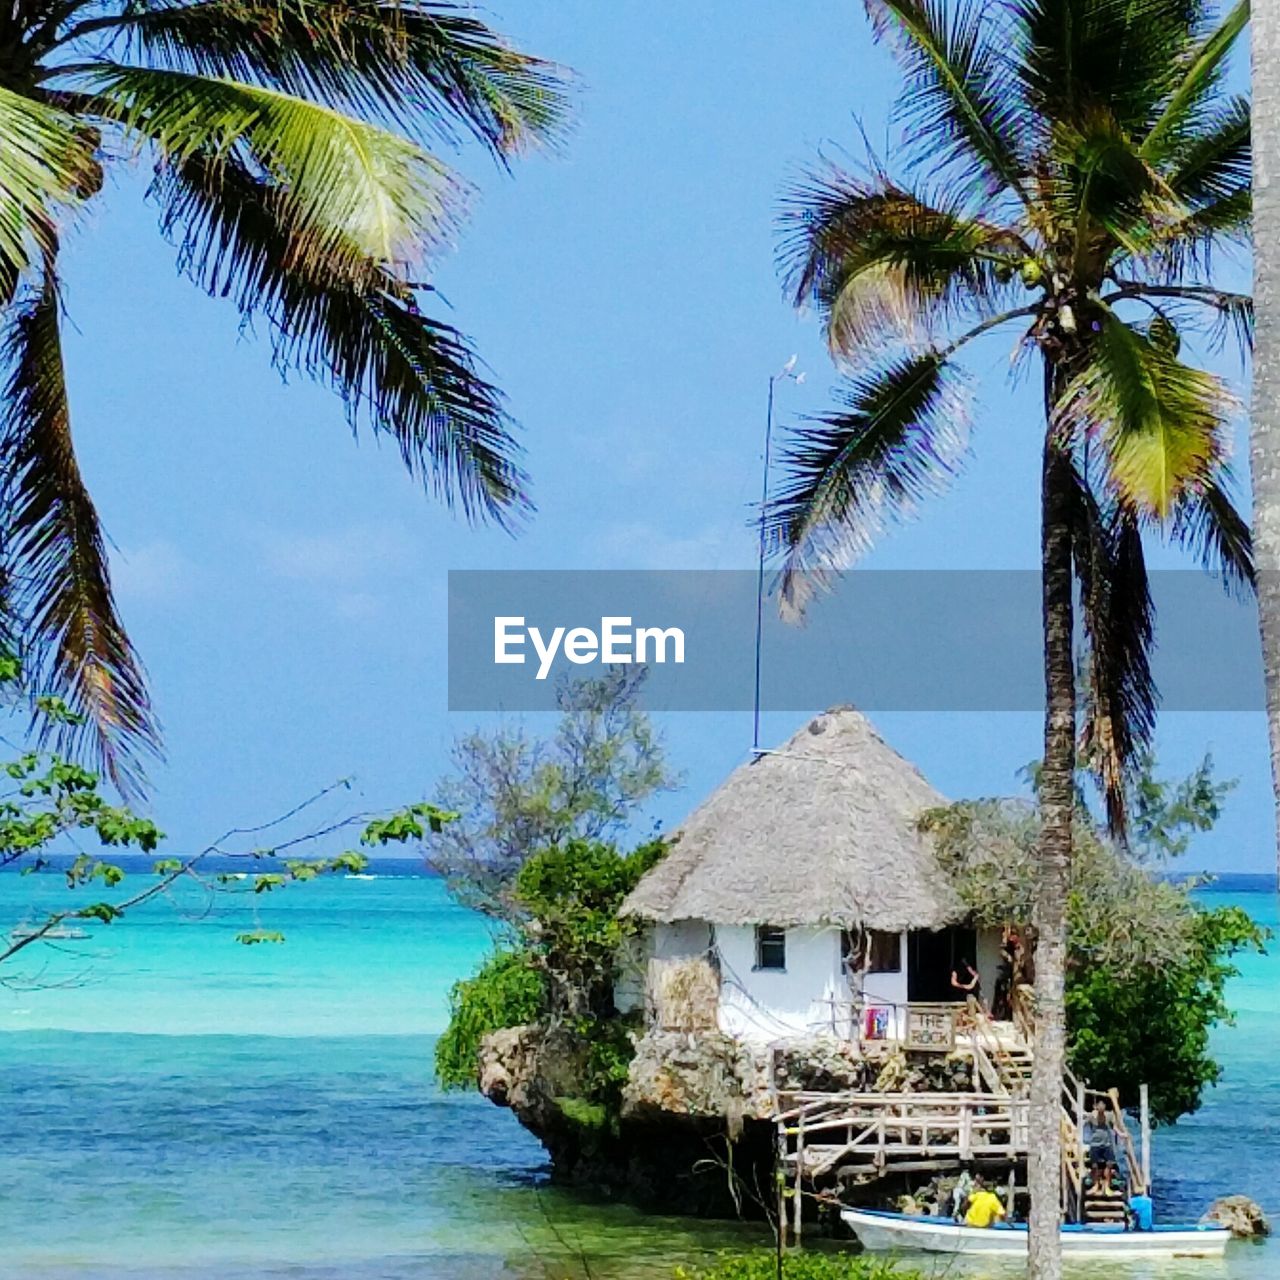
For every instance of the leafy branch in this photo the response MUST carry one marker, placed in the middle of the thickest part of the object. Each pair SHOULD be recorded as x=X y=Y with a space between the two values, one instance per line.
x=54 y=802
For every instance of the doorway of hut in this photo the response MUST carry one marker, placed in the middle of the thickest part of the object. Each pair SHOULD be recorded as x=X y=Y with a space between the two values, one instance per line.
x=932 y=957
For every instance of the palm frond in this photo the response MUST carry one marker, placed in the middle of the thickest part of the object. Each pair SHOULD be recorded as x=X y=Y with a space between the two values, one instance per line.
x=1104 y=189
x=76 y=644
x=1216 y=162
x=1211 y=173
x=1235 y=321
x=1207 y=523
x=352 y=325
x=1233 y=313
x=1233 y=317
x=1204 y=69
x=1191 y=243
x=879 y=261
x=957 y=105
x=349 y=183
x=1118 y=617
x=1160 y=421
x=1128 y=56
x=44 y=164
x=898 y=436
x=432 y=68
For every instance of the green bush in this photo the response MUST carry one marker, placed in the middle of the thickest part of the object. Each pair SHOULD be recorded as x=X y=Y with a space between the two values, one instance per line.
x=572 y=892
x=1153 y=1026
x=1147 y=966
x=561 y=973
x=762 y=1264
x=507 y=991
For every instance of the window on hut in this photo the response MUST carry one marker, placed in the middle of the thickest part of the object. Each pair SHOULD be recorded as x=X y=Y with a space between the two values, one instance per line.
x=885 y=952
x=871 y=951
x=771 y=947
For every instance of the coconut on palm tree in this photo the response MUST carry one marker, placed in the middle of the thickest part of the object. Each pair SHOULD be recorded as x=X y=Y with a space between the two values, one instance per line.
x=1076 y=163
x=291 y=143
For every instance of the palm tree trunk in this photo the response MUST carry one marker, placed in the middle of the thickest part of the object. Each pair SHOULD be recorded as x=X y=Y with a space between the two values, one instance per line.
x=1265 y=425
x=1057 y=805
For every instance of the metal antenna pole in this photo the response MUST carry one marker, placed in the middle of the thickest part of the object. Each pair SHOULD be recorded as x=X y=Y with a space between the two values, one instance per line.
x=764 y=503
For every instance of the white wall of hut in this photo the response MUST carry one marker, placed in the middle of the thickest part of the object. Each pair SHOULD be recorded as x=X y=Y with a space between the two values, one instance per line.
x=806 y=997
x=810 y=995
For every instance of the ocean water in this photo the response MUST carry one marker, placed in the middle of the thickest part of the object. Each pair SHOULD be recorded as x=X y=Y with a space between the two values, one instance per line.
x=179 y=1105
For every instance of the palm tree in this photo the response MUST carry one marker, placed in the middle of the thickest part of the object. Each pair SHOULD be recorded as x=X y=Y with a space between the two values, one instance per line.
x=290 y=144
x=1264 y=433
x=1076 y=163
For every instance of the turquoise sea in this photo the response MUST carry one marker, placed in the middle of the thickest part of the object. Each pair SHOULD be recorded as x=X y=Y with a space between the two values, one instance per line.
x=177 y=1105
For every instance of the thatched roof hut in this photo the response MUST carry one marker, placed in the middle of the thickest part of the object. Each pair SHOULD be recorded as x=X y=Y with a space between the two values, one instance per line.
x=822 y=831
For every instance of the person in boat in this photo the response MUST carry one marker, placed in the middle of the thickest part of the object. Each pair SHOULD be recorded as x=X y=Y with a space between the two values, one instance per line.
x=985 y=1209
x=1100 y=1137
x=960 y=1194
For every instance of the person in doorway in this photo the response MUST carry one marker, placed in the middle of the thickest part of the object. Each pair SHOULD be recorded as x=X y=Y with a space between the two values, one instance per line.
x=1002 y=999
x=965 y=979
x=985 y=1209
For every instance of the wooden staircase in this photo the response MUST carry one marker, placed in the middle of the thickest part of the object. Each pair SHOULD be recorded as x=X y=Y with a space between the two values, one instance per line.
x=1103 y=1206
x=1014 y=1066
x=1077 y=1101
x=1002 y=1059
x=871 y=1134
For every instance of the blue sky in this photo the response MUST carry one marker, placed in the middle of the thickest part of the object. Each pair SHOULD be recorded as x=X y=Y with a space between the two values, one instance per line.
x=286 y=585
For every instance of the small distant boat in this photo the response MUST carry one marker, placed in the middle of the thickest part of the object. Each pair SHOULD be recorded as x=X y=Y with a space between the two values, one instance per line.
x=59 y=933
x=877 y=1230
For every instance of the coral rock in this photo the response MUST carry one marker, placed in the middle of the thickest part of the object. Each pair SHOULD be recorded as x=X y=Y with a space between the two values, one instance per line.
x=1244 y=1217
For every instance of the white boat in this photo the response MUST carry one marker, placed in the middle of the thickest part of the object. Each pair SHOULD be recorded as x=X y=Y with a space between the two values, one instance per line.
x=882 y=1230
x=59 y=933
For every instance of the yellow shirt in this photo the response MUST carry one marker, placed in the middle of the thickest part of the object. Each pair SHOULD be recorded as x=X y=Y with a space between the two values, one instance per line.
x=984 y=1209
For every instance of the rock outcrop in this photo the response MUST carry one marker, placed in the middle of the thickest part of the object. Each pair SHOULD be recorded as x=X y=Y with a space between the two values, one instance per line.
x=1242 y=1216
x=526 y=1069
x=688 y=1096
x=667 y=1146
x=703 y=1076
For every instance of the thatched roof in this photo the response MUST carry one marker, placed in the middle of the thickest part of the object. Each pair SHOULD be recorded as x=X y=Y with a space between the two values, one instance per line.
x=821 y=831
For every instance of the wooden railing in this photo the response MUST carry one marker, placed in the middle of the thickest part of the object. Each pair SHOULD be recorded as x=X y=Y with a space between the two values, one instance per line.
x=904 y=1130
x=985 y=1069
x=1077 y=1101
x=1024 y=1011
x=996 y=1068
x=1072 y=1169
x=875 y=1132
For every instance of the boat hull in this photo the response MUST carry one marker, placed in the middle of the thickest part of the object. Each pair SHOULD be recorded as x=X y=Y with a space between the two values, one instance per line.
x=880 y=1231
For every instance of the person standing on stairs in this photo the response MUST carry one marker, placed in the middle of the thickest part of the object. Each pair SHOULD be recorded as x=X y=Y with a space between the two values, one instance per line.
x=1100 y=1136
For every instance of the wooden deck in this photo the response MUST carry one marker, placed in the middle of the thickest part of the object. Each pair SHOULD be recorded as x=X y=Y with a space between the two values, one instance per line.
x=866 y=1135
x=870 y=1133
